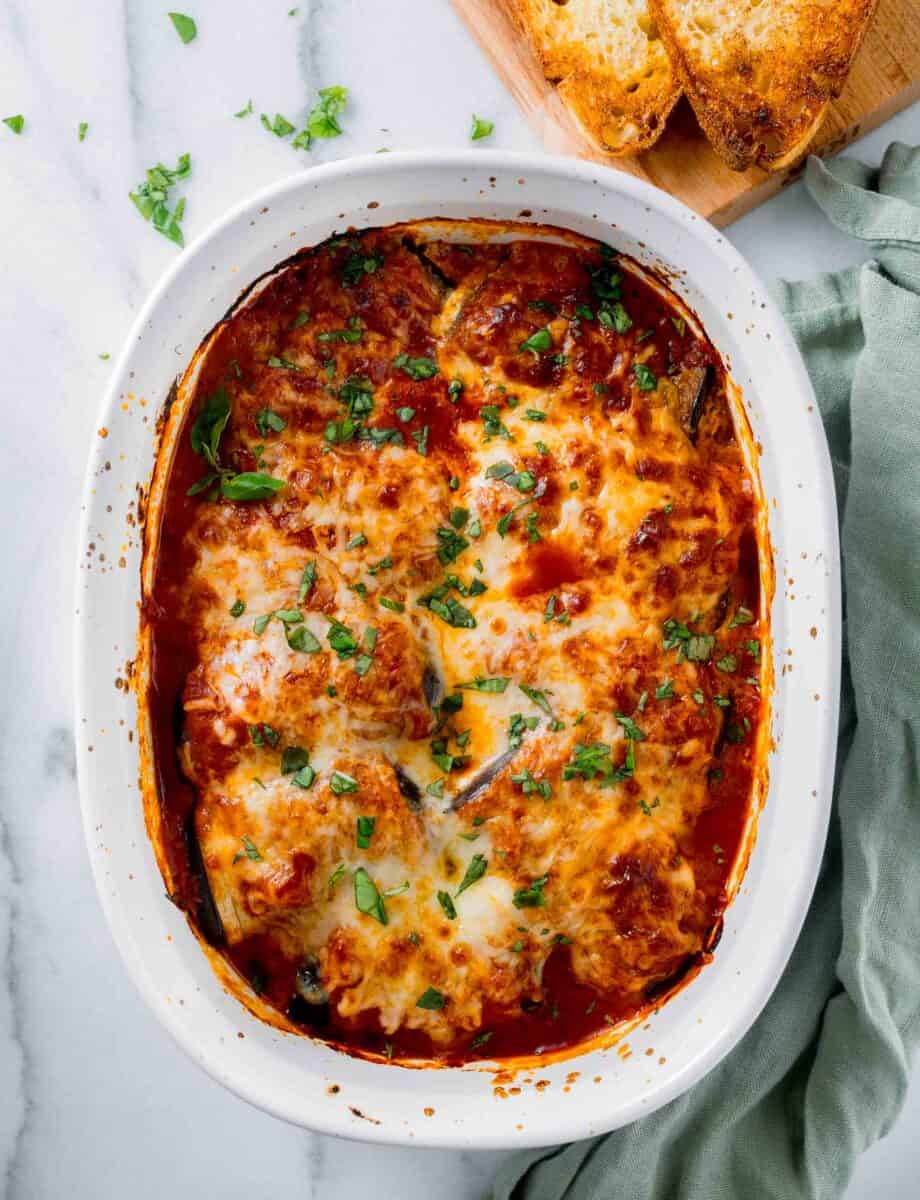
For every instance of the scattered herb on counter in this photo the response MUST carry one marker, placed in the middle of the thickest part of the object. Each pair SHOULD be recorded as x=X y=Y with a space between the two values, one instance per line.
x=150 y=198
x=82 y=131
x=184 y=26
x=279 y=125
x=16 y=124
x=481 y=128
x=244 y=112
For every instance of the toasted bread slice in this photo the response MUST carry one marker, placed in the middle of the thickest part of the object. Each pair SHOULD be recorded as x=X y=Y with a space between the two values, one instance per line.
x=761 y=73
x=608 y=64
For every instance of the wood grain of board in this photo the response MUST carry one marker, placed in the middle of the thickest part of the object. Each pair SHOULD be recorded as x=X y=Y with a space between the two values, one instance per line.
x=885 y=78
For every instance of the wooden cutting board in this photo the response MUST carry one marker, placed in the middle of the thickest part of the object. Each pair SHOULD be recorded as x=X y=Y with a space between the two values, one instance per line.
x=885 y=78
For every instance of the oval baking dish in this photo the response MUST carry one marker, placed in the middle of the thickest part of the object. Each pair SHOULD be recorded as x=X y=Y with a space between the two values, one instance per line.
x=631 y=1070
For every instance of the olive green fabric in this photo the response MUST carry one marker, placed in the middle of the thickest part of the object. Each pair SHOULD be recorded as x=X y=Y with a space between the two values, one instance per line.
x=822 y=1073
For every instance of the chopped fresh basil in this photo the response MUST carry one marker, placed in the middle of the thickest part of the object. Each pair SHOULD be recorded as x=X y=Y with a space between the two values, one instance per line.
x=342 y=783
x=364 y=831
x=448 y=906
x=250 y=851
x=282 y=364
x=454 y=390
x=323 y=119
x=356 y=542
x=184 y=26
x=336 y=876
x=593 y=762
x=358 y=265
x=350 y=336
x=630 y=728
x=480 y=1039
x=264 y=735
x=304 y=777
x=279 y=125
x=151 y=196
x=405 y=414
x=530 y=785
x=458 y=517
x=367 y=899
x=743 y=616
x=237 y=608
x=476 y=868
x=300 y=638
x=665 y=690
x=537 y=342
x=728 y=663
x=645 y=377
x=695 y=647
x=420 y=437
x=481 y=684
x=269 y=422
x=481 y=128
x=250 y=485
x=538 y=697
x=342 y=640
x=493 y=424
x=393 y=605
x=416 y=368
x=531 y=896
x=293 y=758
x=431 y=999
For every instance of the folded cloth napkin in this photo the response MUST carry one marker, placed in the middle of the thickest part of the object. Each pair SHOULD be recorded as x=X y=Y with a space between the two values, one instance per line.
x=822 y=1073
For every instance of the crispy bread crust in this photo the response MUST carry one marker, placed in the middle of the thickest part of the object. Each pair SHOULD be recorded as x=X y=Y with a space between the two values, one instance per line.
x=621 y=111
x=764 y=105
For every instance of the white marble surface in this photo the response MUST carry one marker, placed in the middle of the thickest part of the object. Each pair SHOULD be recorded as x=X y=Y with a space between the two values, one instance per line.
x=95 y=1101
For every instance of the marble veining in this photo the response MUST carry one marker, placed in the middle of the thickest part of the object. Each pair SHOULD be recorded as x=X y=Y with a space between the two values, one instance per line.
x=95 y=1100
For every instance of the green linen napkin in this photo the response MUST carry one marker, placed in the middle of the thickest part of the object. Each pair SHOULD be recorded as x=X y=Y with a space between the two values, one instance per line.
x=822 y=1073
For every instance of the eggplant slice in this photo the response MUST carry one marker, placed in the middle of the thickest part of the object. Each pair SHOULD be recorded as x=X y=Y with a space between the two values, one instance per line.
x=480 y=782
x=693 y=387
x=207 y=916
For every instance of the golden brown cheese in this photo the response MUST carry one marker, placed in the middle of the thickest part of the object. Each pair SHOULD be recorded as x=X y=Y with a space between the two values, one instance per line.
x=462 y=619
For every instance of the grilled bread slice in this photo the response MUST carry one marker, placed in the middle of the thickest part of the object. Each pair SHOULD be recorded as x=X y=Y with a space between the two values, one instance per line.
x=608 y=65
x=761 y=73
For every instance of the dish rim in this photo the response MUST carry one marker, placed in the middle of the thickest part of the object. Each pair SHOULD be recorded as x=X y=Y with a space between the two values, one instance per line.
x=361 y=169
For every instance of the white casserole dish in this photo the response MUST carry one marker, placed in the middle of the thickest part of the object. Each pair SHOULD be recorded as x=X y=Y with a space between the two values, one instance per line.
x=304 y=1081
